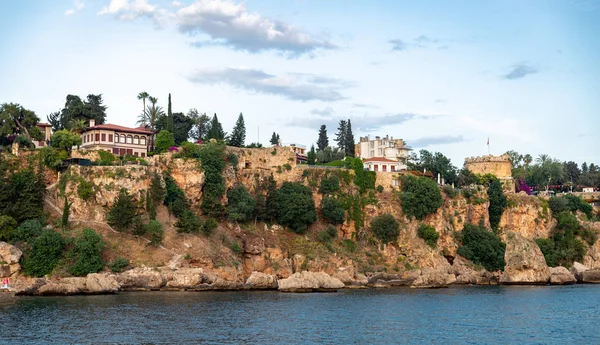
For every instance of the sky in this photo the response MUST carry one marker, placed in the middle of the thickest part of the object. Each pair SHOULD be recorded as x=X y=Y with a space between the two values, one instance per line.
x=443 y=75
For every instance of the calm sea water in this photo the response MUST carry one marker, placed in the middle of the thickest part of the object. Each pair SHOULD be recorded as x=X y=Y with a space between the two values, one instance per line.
x=458 y=315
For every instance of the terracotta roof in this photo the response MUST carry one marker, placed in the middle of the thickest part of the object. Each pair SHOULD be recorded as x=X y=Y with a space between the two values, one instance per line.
x=116 y=128
x=43 y=124
x=380 y=159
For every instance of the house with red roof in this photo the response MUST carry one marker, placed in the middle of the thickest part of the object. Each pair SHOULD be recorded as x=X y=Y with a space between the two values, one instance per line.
x=382 y=164
x=115 y=139
x=46 y=128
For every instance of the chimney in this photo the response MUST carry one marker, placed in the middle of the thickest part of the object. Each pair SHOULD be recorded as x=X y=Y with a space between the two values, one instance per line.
x=92 y=122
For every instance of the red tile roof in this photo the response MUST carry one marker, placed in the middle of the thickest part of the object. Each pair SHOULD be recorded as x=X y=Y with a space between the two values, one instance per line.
x=380 y=159
x=116 y=128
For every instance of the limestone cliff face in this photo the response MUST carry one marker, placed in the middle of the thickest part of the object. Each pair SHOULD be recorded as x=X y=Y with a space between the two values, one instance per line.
x=527 y=216
x=525 y=263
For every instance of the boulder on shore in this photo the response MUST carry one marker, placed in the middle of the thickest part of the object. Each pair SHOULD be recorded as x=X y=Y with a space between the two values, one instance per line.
x=434 y=280
x=63 y=287
x=101 y=283
x=184 y=278
x=591 y=276
x=310 y=282
x=577 y=270
x=466 y=273
x=259 y=280
x=525 y=263
x=9 y=254
x=561 y=276
x=141 y=278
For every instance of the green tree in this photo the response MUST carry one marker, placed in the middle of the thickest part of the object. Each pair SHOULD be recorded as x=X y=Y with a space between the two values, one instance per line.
x=482 y=247
x=420 y=196
x=216 y=130
x=349 y=140
x=329 y=185
x=14 y=119
x=329 y=154
x=238 y=135
x=122 y=213
x=182 y=126
x=295 y=206
x=86 y=254
x=201 y=124
x=212 y=157
x=312 y=155
x=274 y=139
x=436 y=163
x=157 y=190
x=386 y=228
x=332 y=211
x=465 y=178
x=28 y=230
x=240 y=205
x=22 y=195
x=164 y=140
x=188 y=222
x=428 y=234
x=65 y=139
x=43 y=255
x=155 y=230
x=7 y=227
x=150 y=206
x=170 y=121
x=498 y=203
x=65 y=214
x=340 y=136
x=323 y=141
x=77 y=112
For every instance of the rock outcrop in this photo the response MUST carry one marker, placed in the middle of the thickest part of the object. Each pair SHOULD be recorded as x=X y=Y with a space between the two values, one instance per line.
x=561 y=276
x=434 y=279
x=466 y=273
x=141 y=278
x=310 y=282
x=9 y=260
x=258 y=280
x=577 y=270
x=525 y=263
x=591 y=276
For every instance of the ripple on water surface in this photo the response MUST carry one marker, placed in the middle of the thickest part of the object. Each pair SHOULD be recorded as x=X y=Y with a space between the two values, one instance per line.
x=458 y=315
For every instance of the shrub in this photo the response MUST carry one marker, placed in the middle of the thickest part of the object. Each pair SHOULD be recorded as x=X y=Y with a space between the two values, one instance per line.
x=287 y=167
x=210 y=225
x=7 y=227
x=380 y=189
x=86 y=253
x=363 y=179
x=236 y=248
x=567 y=221
x=118 y=265
x=332 y=211
x=385 y=228
x=482 y=247
x=106 y=158
x=420 y=196
x=44 y=254
x=85 y=189
x=157 y=190
x=558 y=205
x=497 y=203
x=449 y=191
x=349 y=245
x=428 y=234
x=212 y=157
x=189 y=150
x=576 y=203
x=123 y=211
x=164 y=140
x=329 y=185
x=174 y=199
x=28 y=230
x=328 y=234
x=240 y=206
x=295 y=206
x=155 y=230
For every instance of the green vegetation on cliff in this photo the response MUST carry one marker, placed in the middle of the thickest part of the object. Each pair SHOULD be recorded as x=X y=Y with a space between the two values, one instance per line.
x=122 y=213
x=295 y=206
x=385 y=228
x=420 y=196
x=332 y=211
x=86 y=253
x=240 y=204
x=43 y=255
x=212 y=157
x=482 y=247
x=428 y=234
x=563 y=247
x=497 y=203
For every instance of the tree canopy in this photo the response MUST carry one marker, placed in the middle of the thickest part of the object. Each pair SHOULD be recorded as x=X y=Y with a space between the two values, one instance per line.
x=323 y=140
x=216 y=130
x=65 y=139
x=77 y=112
x=16 y=120
x=238 y=135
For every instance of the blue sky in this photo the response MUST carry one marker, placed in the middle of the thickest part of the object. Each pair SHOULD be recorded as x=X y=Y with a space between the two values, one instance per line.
x=443 y=75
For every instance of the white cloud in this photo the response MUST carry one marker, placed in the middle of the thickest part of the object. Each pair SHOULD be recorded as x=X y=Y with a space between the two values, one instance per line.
x=78 y=5
x=177 y=3
x=128 y=10
x=230 y=24
x=298 y=87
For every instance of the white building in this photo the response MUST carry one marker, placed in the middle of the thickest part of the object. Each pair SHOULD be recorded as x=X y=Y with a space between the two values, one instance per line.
x=392 y=150
x=381 y=164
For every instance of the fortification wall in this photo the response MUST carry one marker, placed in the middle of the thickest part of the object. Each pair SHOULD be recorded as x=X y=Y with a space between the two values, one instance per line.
x=498 y=166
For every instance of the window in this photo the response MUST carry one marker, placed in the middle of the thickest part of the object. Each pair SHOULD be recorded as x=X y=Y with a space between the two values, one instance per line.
x=136 y=140
x=122 y=152
x=372 y=153
x=143 y=154
x=130 y=152
x=395 y=183
x=122 y=139
x=110 y=138
x=83 y=138
x=97 y=136
x=375 y=167
x=135 y=154
x=129 y=139
x=115 y=151
x=383 y=167
x=103 y=137
x=143 y=140
x=380 y=151
x=393 y=168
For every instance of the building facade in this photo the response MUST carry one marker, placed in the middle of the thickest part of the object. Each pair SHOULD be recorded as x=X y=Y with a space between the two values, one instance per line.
x=116 y=139
x=384 y=147
x=380 y=164
x=47 y=130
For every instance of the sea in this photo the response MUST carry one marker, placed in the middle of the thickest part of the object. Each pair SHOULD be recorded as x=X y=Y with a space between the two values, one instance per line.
x=455 y=315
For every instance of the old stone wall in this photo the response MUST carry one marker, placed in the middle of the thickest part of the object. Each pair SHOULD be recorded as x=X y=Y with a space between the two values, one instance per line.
x=498 y=166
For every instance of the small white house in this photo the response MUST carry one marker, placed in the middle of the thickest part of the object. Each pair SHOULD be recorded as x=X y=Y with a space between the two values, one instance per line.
x=381 y=164
x=588 y=189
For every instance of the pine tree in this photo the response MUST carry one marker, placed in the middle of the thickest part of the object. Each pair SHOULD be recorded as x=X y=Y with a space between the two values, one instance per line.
x=65 y=215
x=274 y=139
x=169 y=116
x=157 y=190
x=238 y=135
x=349 y=139
x=312 y=155
x=123 y=212
x=150 y=206
x=323 y=141
x=216 y=130
x=340 y=136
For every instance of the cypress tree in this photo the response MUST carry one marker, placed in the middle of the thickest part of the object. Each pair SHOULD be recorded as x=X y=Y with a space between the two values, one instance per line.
x=238 y=135
x=169 y=116
x=323 y=141
x=122 y=213
x=65 y=215
x=340 y=136
x=312 y=155
x=349 y=140
x=150 y=206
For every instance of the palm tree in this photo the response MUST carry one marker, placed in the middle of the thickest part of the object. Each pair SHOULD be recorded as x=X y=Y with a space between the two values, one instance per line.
x=543 y=158
x=77 y=125
x=143 y=95
x=152 y=113
x=527 y=159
